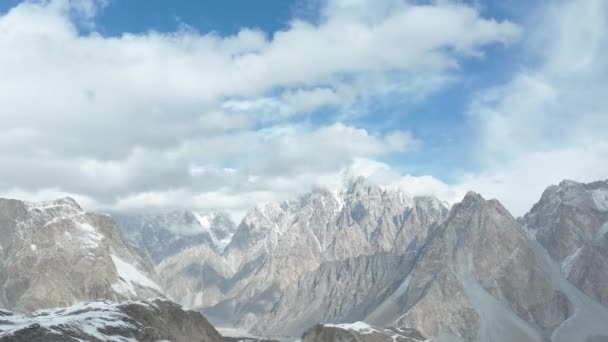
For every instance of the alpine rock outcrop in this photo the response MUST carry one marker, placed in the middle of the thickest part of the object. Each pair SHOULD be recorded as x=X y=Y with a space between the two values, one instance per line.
x=571 y=222
x=55 y=254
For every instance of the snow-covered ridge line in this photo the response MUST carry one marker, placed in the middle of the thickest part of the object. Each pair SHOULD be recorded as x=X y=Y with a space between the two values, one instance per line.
x=130 y=321
x=360 y=331
x=359 y=326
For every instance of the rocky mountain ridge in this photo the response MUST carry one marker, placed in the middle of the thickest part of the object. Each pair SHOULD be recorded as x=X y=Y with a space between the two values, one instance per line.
x=165 y=233
x=372 y=255
x=365 y=254
x=38 y=241
x=279 y=246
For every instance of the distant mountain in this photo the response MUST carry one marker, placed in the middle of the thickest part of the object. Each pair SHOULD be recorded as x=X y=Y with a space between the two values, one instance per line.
x=149 y=320
x=55 y=254
x=269 y=266
x=162 y=234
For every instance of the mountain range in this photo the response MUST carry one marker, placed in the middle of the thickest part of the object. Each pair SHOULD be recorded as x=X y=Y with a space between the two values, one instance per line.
x=466 y=272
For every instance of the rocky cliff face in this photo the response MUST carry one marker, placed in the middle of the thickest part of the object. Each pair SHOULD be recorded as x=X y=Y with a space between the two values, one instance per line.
x=571 y=222
x=479 y=258
x=481 y=276
x=163 y=234
x=338 y=291
x=360 y=332
x=55 y=254
x=146 y=321
x=280 y=251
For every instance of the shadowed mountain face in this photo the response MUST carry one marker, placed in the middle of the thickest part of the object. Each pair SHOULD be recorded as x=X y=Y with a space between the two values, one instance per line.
x=148 y=321
x=55 y=254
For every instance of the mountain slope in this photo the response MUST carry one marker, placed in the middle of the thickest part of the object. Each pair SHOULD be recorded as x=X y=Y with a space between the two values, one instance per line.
x=279 y=247
x=149 y=320
x=571 y=222
x=163 y=234
x=55 y=254
x=480 y=277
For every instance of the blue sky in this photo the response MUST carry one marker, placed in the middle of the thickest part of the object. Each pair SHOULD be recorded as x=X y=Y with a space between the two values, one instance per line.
x=213 y=105
x=225 y=17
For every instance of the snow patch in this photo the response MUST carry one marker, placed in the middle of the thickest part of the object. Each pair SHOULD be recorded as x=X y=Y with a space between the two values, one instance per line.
x=316 y=240
x=204 y=221
x=600 y=198
x=90 y=318
x=90 y=237
x=235 y=332
x=129 y=276
x=568 y=262
x=360 y=327
x=339 y=199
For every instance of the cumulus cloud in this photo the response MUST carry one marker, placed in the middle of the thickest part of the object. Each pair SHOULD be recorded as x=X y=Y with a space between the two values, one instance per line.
x=147 y=120
x=548 y=122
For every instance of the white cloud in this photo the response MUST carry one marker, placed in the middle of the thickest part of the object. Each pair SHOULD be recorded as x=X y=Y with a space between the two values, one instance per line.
x=123 y=121
x=549 y=122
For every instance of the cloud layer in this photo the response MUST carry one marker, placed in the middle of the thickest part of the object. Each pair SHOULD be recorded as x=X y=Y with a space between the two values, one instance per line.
x=210 y=122
x=196 y=119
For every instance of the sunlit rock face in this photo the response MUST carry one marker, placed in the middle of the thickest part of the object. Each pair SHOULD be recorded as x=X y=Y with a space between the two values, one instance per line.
x=336 y=253
x=571 y=222
x=484 y=276
x=479 y=264
x=365 y=254
x=55 y=254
